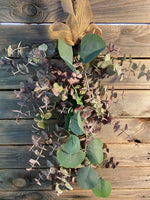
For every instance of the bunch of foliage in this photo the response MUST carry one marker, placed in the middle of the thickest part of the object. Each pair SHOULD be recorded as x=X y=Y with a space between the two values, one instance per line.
x=68 y=86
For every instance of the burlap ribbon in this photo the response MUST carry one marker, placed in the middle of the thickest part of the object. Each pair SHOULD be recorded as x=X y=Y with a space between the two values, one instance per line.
x=77 y=24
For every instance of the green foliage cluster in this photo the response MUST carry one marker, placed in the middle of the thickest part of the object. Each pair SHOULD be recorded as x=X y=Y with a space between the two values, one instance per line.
x=70 y=87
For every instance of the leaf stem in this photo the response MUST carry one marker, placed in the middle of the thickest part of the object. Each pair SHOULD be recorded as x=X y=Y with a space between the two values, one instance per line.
x=100 y=169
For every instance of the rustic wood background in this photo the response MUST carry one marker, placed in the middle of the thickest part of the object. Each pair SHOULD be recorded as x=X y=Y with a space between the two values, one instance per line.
x=126 y=24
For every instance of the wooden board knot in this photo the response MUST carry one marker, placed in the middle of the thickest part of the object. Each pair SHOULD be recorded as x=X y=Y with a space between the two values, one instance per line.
x=29 y=10
x=19 y=182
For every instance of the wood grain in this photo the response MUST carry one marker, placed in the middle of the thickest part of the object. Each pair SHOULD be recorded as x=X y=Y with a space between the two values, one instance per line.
x=130 y=81
x=120 y=11
x=132 y=104
x=20 y=134
x=120 y=178
x=137 y=194
x=10 y=81
x=125 y=154
x=108 y=11
x=121 y=194
x=131 y=39
x=31 y=11
x=30 y=195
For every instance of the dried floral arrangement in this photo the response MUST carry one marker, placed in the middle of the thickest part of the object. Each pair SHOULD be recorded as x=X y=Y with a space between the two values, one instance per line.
x=68 y=86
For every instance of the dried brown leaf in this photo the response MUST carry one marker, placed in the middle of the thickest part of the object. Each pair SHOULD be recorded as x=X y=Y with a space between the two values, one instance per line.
x=77 y=25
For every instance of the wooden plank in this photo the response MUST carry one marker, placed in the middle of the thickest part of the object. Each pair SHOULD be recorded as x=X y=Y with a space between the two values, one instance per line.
x=131 y=39
x=8 y=102
x=134 y=103
x=29 y=195
x=31 y=11
x=129 y=82
x=20 y=134
x=130 y=154
x=138 y=194
x=120 y=178
x=119 y=11
x=125 y=154
x=10 y=81
x=138 y=129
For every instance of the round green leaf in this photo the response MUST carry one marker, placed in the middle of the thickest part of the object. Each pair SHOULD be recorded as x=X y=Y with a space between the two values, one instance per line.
x=72 y=145
x=69 y=160
x=102 y=189
x=87 y=177
x=66 y=53
x=91 y=46
x=95 y=151
x=76 y=124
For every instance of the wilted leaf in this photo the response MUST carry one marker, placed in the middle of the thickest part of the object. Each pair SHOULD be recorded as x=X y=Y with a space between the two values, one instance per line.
x=95 y=151
x=66 y=53
x=68 y=160
x=102 y=189
x=91 y=46
x=57 y=89
x=87 y=177
x=72 y=145
x=76 y=124
x=10 y=51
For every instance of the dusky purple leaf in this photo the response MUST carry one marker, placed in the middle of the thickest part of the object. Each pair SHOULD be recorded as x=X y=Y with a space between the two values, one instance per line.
x=126 y=127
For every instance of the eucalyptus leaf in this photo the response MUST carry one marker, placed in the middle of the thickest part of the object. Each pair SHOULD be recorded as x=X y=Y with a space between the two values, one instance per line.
x=67 y=118
x=95 y=151
x=91 y=46
x=78 y=99
x=87 y=178
x=143 y=68
x=43 y=47
x=69 y=160
x=57 y=89
x=41 y=124
x=76 y=124
x=102 y=189
x=48 y=115
x=72 y=145
x=141 y=74
x=66 y=53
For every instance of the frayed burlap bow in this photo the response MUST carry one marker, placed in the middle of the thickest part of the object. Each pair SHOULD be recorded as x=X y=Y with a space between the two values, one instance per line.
x=77 y=25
